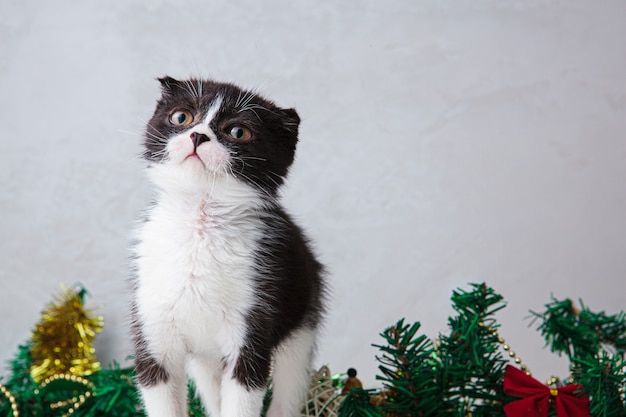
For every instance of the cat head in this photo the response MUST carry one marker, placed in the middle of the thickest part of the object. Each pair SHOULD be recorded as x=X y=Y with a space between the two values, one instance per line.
x=206 y=131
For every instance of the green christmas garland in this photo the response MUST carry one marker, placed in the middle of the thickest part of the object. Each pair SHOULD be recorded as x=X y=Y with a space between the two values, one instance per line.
x=465 y=372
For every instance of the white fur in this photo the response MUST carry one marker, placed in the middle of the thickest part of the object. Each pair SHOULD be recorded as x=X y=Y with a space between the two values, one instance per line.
x=194 y=271
x=166 y=400
x=194 y=286
x=291 y=376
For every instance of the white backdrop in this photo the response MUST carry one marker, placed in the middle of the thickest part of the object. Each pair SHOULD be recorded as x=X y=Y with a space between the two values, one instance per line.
x=443 y=142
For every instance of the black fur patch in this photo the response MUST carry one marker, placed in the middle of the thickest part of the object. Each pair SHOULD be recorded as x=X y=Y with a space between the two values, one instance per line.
x=147 y=370
x=252 y=369
x=291 y=291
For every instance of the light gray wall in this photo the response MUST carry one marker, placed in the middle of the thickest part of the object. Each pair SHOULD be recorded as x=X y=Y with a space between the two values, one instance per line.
x=442 y=142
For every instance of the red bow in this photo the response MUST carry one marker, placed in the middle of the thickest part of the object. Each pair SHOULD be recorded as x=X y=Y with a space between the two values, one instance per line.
x=535 y=397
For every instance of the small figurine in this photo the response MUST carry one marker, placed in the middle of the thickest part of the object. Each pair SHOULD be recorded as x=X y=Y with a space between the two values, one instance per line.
x=351 y=382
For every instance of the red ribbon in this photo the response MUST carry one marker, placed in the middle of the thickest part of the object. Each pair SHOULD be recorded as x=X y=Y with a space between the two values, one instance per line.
x=535 y=397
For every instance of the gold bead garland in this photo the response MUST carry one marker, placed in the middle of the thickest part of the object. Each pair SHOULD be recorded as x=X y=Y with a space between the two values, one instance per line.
x=507 y=348
x=552 y=381
x=11 y=399
x=77 y=400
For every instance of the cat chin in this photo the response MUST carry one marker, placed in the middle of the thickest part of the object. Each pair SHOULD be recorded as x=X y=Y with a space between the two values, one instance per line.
x=191 y=178
x=187 y=176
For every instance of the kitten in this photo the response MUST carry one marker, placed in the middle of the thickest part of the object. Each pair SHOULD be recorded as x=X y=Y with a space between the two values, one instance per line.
x=226 y=286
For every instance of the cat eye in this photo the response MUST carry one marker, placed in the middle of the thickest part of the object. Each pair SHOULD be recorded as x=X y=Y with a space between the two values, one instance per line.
x=181 y=118
x=240 y=133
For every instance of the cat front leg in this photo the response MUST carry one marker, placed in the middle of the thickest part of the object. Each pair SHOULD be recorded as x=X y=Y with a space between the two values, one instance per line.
x=207 y=376
x=241 y=401
x=244 y=387
x=165 y=399
x=292 y=374
x=163 y=391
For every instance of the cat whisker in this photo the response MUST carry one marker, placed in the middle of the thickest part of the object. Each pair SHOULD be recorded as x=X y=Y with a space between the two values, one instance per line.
x=291 y=126
x=253 y=108
x=158 y=136
x=242 y=101
x=256 y=114
x=162 y=154
x=132 y=133
x=252 y=158
x=274 y=174
x=155 y=141
x=238 y=99
x=260 y=187
x=163 y=157
x=227 y=171
x=191 y=89
x=213 y=181
x=152 y=155
x=240 y=159
x=272 y=179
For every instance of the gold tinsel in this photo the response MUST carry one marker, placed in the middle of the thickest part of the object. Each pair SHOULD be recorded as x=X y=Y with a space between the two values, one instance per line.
x=62 y=340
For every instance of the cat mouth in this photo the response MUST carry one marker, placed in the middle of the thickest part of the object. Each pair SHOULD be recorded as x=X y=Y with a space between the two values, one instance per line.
x=195 y=157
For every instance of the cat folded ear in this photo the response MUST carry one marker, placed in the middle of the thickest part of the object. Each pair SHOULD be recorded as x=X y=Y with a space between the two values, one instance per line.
x=168 y=83
x=290 y=118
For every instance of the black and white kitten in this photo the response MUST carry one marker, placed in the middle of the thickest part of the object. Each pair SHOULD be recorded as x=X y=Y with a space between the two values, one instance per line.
x=226 y=288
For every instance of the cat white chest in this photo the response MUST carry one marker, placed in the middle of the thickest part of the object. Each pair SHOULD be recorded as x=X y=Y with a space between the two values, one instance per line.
x=196 y=262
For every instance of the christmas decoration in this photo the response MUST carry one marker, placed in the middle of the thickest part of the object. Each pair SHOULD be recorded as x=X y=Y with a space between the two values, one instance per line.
x=11 y=399
x=62 y=340
x=595 y=344
x=323 y=399
x=471 y=371
x=569 y=400
x=351 y=382
x=358 y=403
x=468 y=371
x=408 y=370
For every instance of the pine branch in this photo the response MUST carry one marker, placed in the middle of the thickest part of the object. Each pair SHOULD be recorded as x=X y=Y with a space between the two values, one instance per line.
x=409 y=372
x=604 y=379
x=473 y=367
x=609 y=330
x=22 y=385
x=561 y=329
x=357 y=404
x=581 y=333
x=115 y=394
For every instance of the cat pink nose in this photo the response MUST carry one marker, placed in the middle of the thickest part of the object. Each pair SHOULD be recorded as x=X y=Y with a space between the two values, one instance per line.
x=198 y=138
